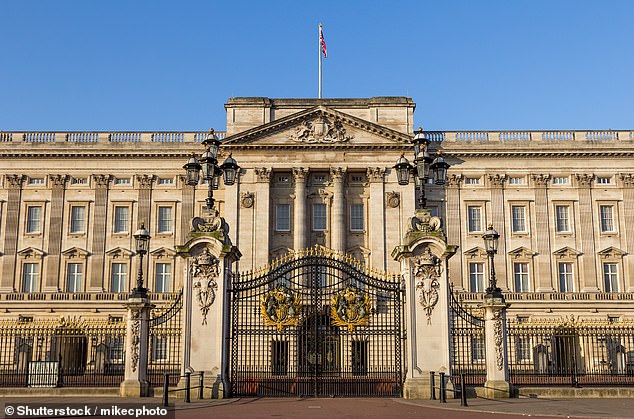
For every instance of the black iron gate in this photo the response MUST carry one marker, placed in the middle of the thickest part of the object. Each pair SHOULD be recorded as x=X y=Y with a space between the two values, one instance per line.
x=165 y=343
x=468 y=348
x=316 y=324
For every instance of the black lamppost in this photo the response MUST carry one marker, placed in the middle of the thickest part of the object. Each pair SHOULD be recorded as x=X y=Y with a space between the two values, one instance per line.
x=424 y=167
x=491 y=238
x=211 y=172
x=142 y=239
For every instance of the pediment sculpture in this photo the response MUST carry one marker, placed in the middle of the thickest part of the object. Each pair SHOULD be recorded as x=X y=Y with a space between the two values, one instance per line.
x=427 y=269
x=321 y=130
x=205 y=271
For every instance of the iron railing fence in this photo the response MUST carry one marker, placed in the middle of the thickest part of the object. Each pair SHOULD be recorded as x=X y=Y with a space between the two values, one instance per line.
x=571 y=352
x=165 y=343
x=468 y=350
x=62 y=352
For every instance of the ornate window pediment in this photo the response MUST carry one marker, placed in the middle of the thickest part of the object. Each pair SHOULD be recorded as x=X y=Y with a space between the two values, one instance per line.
x=566 y=253
x=279 y=252
x=359 y=253
x=611 y=253
x=521 y=253
x=120 y=253
x=476 y=253
x=75 y=253
x=31 y=253
x=163 y=253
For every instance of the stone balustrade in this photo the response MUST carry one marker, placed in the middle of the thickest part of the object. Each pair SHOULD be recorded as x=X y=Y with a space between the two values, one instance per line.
x=551 y=296
x=518 y=136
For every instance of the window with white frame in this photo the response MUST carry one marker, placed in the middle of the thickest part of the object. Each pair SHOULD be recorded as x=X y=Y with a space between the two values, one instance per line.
x=77 y=219
x=119 y=277
x=122 y=181
x=513 y=180
x=79 y=181
x=283 y=217
x=356 y=217
x=606 y=213
x=121 y=219
x=477 y=348
x=74 y=277
x=319 y=217
x=611 y=277
x=33 y=219
x=520 y=273
x=163 y=277
x=164 y=219
x=36 y=181
x=562 y=218
x=159 y=348
x=472 y=181
x=518 y=218
x=604 y=180
x=523 y=348
x=474 y=214
x=476 y=276
x=30 y=277
x=165 y=181
x=560 y=180
x=566 y=277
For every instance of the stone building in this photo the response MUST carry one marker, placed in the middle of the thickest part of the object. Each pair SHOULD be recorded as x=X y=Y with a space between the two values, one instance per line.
x=319 y=172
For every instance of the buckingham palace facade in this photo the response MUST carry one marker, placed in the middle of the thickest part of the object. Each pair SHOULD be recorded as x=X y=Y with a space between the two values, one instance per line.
x=318 y=174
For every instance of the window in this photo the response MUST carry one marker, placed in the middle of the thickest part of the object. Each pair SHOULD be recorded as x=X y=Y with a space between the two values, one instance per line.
x=33 y=219
x=279 y=357
x=560 y=180
x=283 y=179
x=36 y=181
x=159 y=348
x=356 y=178
x=563 y=218
x=319 y=179
x=607 y=218
x=121 y=221
x=163 y=277
x=123 y=181
x=475 y=219
x=119 y=277
x=472 y=181
x=516 y=181
x=79 y=181
x=477 y=348
x=610 y=277
x=476 y=276
x=603 y=180
x=165 y=181
x=164 y=219
x=518 y=215
x=319 y=217
x=30 y=277
x=283 y=217
x=117 y=348
x=74 y=276
x=523 y=348
x=359 y=357
x=566 y=283
x=356 y=217
x=520 y=273
x=77 y=219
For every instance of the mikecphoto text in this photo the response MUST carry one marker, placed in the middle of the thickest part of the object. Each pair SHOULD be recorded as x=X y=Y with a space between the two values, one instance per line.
x=23 y=410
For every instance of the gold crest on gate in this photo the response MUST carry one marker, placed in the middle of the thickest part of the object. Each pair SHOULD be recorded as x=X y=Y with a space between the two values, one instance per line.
x=280 y=308
x=351 y=308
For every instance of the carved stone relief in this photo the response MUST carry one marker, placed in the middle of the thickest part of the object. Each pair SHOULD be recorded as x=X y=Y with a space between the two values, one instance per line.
x=263 y=174
x=136 y=338
x=427 y=270
x=498 y=335
x=392 y=199
x=321 y=130
x=247 y=199
x=375 y=174
x=205 y=270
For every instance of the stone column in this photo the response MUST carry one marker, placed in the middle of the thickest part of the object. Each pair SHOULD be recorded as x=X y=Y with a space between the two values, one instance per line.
x=187 y=208
x=338 y=226
x=14 y=185
x=300 y=237
x=453 y=225
x=52 y=280
x=588 y=257
x=627 y=181
x=144 y=186
x=261 y=225
x=375 y=226
x=137 y=346
x=542 y=234
x=496 y=185
x=497 y=383
x=100 y=184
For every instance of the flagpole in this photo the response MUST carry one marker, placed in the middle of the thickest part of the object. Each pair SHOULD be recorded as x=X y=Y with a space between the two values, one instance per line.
x=319 y=52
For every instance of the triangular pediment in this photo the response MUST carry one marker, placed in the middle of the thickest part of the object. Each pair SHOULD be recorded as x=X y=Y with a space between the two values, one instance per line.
x=321 y=126
x=31 y=253
x=566 y=253
x=611 y=253
x=75 y=252
x=521 y=253
x=119 y=253
x=163 y=253
x=476 y=253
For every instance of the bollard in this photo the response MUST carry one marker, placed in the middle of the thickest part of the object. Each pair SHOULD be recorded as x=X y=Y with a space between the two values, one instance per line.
x=166 y=384
x=432 y=385
x=188 y=382
x=443 y=389
x=463 y=392
x=200 y=387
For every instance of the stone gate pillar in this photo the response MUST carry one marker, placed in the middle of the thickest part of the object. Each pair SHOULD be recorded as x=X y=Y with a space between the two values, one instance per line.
x=497 y=382
x=423 y=257
x=137 y=335
x=210 y=255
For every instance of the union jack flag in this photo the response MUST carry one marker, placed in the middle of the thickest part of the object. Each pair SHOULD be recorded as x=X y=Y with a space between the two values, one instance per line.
x=322 y=42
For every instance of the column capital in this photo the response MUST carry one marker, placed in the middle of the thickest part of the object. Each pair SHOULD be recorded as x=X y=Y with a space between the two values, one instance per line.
x=262 y=174
x=540 y=180
x=627 y=179
x=300 y=173
x=375 y=174
x=338 y=173
x=101 y=181
x=13 y=181
x=57 y=181
x=496 y=180
x=144 y=181
x=454 y=180
x=584 y=180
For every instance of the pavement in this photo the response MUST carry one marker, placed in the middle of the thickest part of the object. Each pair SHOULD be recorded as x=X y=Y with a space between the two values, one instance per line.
x=336 y=408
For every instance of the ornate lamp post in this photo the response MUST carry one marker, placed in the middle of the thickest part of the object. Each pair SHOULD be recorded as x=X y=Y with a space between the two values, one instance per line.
x=211 y=172
x=142 y=239
x=491 y=238
x=424 y=167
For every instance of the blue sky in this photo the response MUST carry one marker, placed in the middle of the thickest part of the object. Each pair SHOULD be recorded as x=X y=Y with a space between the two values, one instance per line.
x=171 y=65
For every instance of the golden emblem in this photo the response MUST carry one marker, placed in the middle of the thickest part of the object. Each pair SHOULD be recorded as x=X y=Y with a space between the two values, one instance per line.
x=351 y=308
x=280 y=308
